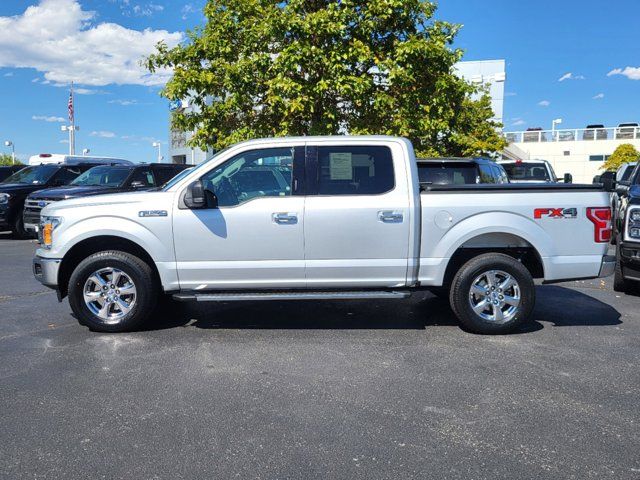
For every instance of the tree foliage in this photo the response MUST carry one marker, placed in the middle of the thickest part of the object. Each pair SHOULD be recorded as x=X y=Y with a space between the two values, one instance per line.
x=625 y=153
x=261 y=68
x=6 y=159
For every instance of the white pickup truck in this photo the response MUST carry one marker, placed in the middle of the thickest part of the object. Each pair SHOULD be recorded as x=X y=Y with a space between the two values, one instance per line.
x=321 y=218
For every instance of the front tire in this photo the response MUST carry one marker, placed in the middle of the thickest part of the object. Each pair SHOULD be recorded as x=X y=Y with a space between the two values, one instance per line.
x=112 y=291
x=492 y=293
x=19 y=231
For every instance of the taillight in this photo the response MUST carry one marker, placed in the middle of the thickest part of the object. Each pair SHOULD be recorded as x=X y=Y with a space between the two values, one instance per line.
x=601 y=219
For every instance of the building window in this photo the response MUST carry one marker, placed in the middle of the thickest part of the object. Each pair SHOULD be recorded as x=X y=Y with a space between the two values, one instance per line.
x=596 y=158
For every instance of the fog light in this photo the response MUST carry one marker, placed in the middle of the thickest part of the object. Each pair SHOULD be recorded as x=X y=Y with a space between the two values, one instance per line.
x=634 y=232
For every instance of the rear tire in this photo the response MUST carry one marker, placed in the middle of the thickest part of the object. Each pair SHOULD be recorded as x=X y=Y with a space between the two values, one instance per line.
x=19 y=231
x=492 y=293
x=112 y=291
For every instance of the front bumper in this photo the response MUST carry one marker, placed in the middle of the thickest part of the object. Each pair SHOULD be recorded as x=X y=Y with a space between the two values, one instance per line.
x=46 y=271
x=630 y=259
x=608 y=266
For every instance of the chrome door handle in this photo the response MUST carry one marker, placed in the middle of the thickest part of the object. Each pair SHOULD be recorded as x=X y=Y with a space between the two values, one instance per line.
x=388 y=216
x=284 y=218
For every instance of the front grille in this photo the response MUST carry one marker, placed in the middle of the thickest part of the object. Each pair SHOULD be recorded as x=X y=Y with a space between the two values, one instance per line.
x=32 y=208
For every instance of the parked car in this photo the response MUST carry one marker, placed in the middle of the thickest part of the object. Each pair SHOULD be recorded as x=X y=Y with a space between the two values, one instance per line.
x=14 y=190
x=349 y=221
x=98 y=181
x=8 y=170
x=628 y=130
x=532 y=171
x=595 y=131
x=460 y=171
x=534 y=134
x=627 y=233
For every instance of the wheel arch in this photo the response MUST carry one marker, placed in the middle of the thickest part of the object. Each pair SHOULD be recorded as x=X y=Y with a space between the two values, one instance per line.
x=91 y=245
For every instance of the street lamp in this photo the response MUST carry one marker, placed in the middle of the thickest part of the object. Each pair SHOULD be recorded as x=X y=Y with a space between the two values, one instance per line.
x=9 y=143
x=85 y=151
x=555 y=122
x=158 y=145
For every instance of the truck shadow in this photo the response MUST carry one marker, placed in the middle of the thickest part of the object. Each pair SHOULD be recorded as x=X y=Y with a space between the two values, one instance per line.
x=559 y=306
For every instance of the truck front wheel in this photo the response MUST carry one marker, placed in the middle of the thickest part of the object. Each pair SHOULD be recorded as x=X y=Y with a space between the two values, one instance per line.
x=112 y=291
x=492 y=293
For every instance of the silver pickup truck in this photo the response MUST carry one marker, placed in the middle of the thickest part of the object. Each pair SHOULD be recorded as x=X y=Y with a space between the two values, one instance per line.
x=321 y=218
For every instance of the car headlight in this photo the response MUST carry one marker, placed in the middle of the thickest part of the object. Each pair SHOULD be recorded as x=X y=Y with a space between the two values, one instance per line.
x=4 y=198
x=634 y=216
x=45 y=232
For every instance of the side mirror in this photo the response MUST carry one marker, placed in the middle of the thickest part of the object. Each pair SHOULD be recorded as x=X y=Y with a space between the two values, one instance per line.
x=194 y=197
x=137 y=184
x=568 y=178
x=622 y=187
x=609 y=184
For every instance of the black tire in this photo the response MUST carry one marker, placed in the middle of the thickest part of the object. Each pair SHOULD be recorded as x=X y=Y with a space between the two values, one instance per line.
x=18 y=230
x=139 y=272
x=460 y=300
x=619 y=283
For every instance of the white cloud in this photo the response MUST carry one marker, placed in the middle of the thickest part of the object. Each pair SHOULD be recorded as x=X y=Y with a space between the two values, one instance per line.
x=60 y=39
x=63 y=141
x=46 y=118
x=544 y=103
x=517 y=122
x=147 y=10
x=598 y=96
x=510 y=94
x=8 y=74
x=124 y=102
x=632 y=73
x=187 y=10
x=570 y=76
x=102 y=134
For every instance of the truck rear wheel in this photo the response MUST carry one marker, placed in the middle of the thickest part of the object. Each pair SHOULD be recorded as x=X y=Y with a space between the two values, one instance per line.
x=112 y=291
x=492 y=293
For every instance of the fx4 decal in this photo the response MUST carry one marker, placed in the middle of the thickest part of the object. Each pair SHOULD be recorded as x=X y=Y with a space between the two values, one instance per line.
x=539 y=213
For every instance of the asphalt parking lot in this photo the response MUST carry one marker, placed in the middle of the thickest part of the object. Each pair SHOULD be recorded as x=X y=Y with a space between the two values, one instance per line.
x=318 y=390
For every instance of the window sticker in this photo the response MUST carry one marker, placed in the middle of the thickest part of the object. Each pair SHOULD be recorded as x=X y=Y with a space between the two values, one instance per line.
x=340 y=166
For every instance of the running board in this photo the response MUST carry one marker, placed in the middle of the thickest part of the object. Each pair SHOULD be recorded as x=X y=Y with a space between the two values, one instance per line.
x=302 y=295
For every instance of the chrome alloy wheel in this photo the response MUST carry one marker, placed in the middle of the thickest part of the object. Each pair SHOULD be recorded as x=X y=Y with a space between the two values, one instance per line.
x=495 y=296
x=110 y=294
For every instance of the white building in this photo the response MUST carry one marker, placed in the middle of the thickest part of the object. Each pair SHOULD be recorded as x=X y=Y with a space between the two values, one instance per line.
x=580 y=152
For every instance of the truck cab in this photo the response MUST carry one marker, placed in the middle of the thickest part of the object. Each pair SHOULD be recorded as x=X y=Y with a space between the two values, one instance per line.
x=321 y=218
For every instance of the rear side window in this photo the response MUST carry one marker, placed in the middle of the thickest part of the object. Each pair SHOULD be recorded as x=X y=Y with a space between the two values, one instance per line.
x=164 y=174
x=354 y=170
x=487 y=174
x=448 y=173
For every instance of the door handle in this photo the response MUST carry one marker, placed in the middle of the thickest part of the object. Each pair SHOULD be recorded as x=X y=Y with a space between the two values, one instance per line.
x=284 y=218
x=388 y=216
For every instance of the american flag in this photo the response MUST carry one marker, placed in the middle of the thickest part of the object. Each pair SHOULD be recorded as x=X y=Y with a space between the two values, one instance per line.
x=70 y=104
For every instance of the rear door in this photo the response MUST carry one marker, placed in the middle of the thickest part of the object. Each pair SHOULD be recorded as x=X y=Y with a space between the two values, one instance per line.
x=356 y=215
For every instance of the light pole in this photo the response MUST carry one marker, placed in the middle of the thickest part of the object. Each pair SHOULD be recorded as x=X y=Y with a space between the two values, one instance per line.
x=72 y=136
x=85 y=152
x=555 y=122
x=9 y=143
x=159 y=146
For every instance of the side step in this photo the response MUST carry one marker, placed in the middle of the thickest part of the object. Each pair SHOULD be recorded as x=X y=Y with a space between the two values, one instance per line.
x=301 y=295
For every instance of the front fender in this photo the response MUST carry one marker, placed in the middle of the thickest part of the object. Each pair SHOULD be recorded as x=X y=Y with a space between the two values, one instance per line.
x=160 y=249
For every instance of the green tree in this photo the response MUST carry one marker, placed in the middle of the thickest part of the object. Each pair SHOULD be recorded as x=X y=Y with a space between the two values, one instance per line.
x=625 y=153
x=262 y=68
x=5 y=159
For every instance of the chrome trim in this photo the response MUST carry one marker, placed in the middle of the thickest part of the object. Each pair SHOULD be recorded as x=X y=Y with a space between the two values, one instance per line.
x=495 y=296
x=45 y=270
x=302 y=295
x=608 y=266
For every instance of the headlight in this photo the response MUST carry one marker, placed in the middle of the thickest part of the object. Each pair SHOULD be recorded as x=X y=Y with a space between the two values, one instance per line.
x=4 y=198
x=634 y=216
x=45 y=232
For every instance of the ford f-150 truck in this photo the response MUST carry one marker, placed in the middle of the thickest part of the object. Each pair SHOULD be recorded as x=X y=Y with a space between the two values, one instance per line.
x=321 y=218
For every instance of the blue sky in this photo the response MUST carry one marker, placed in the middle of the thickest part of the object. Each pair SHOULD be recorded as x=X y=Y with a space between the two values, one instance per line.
x=45 y=44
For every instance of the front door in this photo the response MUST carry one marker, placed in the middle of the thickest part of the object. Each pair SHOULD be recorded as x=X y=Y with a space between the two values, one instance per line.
x=254 y=238
x=356 y=217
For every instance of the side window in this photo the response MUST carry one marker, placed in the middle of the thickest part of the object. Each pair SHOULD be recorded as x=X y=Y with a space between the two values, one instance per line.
x=497 y=174
x=164 y=174
x=257 y=173
x=486 y=174
x=354 y=170
x=66 y=175
x=144 y=176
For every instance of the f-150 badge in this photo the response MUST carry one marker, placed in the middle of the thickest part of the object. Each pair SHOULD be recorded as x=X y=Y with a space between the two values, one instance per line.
x=539 y=213
x=152 y=213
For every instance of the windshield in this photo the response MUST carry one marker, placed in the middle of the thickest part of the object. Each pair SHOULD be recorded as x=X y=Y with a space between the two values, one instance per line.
x=33 y=175
x=103 y=177
x=448 y=174
x=527 y=171
x=184 y=173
